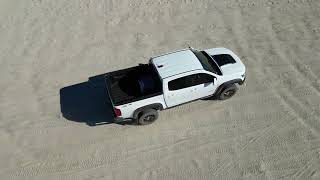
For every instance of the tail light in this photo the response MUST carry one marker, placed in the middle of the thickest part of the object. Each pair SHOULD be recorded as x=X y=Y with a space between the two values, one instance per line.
x=117 y=112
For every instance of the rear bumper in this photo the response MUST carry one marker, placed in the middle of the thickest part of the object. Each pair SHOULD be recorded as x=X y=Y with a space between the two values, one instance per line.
x=120 y=119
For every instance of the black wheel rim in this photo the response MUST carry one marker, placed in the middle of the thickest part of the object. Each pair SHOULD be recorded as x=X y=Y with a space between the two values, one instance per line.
x=149 y=118
x=229 y=93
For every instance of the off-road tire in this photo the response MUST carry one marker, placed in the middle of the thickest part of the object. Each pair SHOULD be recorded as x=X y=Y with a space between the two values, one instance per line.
x=228 y=92
x=147 y=116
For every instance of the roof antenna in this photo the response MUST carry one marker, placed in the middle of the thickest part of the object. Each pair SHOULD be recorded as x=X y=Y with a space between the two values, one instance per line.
x=189 y=47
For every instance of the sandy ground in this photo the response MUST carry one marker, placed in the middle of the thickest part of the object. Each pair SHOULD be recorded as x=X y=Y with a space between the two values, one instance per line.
x=49 y=50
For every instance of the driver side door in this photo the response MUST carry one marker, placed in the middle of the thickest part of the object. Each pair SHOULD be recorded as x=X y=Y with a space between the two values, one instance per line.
x=206 y=85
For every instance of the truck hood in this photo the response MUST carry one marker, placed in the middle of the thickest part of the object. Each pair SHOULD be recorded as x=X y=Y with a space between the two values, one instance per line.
x=228 y=62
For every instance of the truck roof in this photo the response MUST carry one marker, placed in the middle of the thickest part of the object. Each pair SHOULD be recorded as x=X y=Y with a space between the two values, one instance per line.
x=177 y=62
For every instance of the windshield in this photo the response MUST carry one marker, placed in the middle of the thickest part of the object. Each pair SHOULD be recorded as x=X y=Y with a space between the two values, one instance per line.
x=207 y=62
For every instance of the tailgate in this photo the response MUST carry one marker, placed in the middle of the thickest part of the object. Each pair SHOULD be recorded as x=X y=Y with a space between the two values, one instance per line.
x=107 y=81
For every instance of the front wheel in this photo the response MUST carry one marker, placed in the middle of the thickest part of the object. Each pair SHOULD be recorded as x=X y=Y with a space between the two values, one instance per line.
x=148 y=116
x=228 y=92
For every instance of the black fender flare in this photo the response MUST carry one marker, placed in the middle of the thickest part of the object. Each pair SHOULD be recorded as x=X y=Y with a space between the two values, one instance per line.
x=225 y=85
x=156 y=106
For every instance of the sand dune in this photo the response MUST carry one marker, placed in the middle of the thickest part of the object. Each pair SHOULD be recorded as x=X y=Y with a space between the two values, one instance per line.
x=51 y=56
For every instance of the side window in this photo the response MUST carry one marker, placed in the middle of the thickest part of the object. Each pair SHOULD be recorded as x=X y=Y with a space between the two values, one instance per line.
x=188 y=81
x=205 y=78
x=193 y=80
x=176 y=84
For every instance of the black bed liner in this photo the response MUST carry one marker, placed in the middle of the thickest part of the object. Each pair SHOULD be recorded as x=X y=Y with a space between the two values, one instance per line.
x=123 y=87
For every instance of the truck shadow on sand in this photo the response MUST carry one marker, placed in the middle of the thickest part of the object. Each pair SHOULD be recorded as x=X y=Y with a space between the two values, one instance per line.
x=87 y=102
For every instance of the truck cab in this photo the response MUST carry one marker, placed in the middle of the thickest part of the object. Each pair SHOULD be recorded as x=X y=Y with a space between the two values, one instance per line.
x=181 y=76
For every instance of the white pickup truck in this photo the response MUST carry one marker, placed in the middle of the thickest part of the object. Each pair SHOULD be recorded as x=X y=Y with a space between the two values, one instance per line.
x=172 y=79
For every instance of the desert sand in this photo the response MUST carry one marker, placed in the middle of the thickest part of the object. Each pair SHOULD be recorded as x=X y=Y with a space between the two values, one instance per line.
x=53 y=55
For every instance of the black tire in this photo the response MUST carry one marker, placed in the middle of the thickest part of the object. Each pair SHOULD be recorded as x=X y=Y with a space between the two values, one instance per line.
x=228 y=92
x=148 y=117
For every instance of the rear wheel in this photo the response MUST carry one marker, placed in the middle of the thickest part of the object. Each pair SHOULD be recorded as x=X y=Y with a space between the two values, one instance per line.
x=228 y=92
x=148 y=117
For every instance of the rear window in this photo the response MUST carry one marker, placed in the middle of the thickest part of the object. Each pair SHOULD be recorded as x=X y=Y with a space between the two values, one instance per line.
x=223 y=59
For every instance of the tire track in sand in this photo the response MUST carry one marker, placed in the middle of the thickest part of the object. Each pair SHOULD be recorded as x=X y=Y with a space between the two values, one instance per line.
x=45 y=168
x=302 y=114
x=301 y=69
x=261 y=134
x=291 y=100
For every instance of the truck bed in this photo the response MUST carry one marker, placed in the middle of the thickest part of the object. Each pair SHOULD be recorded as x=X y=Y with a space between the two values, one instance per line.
x=124 y=86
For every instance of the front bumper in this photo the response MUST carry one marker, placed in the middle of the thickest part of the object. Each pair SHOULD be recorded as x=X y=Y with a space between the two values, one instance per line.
x=242 y=82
